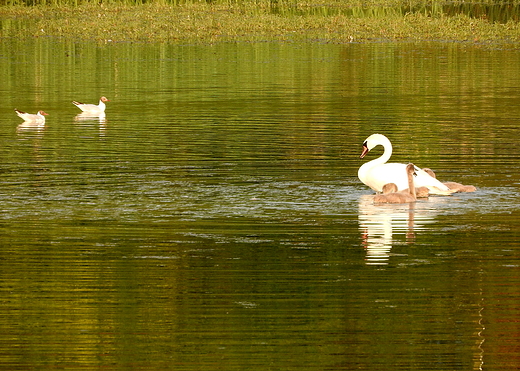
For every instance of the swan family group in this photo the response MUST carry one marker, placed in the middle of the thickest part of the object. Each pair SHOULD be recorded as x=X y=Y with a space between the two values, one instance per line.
x=394 y=182
x=39 y=117
x=401 y=183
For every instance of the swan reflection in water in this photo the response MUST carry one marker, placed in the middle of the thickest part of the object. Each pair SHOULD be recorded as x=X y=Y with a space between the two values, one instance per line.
x=380 y=224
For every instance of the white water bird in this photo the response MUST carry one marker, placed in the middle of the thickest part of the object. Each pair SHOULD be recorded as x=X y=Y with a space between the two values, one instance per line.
x=92 y=108
x=38 y=118
x=378 y=172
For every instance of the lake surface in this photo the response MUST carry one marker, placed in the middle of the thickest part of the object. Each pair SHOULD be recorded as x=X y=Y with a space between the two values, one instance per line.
x=214 y=218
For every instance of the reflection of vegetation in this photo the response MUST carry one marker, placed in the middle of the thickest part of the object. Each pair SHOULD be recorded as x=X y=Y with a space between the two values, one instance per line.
x=226 y=20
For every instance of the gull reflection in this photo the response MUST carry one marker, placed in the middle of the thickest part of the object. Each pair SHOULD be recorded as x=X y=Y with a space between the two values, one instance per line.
x=30 y=126
x=87 y=116
x=380 y=224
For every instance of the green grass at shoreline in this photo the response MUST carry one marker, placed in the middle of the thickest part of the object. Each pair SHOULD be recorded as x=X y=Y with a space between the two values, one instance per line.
x=248 y=21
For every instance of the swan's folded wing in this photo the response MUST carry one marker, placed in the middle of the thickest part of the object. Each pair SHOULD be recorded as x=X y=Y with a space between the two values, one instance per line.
x=423 y=179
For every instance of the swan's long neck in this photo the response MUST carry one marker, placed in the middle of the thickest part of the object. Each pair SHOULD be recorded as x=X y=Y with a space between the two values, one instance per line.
x=101 y=104
x=411 y=185
x=383 y=159
x=364 y=170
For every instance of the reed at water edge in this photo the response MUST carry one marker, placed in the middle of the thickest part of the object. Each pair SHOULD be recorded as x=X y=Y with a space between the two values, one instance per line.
x=211 y=21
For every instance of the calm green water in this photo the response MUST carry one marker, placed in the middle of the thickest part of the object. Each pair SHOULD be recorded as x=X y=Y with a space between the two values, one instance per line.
x=214 y=219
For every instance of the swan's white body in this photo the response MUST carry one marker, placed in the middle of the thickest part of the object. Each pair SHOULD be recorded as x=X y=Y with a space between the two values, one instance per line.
x=92 y=108
x=378 y=172
x=38 y=118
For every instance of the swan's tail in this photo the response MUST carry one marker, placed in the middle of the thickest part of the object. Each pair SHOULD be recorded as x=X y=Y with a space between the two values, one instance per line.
x=442 y=192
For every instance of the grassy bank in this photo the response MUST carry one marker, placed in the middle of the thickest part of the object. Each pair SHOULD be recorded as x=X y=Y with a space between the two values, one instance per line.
x=253 y=21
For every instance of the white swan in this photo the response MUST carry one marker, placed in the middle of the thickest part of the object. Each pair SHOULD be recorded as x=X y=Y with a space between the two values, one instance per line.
x=378 y=172
x=92 y=108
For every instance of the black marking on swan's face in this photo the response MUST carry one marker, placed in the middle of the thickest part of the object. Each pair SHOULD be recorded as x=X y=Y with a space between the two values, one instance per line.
x=365 y=150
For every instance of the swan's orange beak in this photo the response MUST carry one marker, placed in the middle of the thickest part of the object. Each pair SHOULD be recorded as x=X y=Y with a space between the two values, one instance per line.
x=365 y=151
